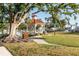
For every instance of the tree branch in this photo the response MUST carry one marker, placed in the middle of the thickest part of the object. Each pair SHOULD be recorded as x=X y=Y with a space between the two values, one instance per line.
x=22 y=19
x=15 y=17
x=24 y=14
x=36 y=12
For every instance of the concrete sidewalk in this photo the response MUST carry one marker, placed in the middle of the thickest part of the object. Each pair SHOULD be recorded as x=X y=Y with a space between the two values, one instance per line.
x=40 y=41
x=4 y=52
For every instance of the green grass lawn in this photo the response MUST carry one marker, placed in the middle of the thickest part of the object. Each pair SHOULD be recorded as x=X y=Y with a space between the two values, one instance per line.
x=63 y=39
x=33 y=49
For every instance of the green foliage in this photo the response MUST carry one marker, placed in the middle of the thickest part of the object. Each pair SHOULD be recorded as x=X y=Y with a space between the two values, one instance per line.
x=9 y=10
x=63 y=23
x=22 y=26
x=58 y=9
x=3 y=26
x=52 y=8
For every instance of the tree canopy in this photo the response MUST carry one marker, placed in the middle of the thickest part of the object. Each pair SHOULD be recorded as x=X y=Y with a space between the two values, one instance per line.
x=17 y=13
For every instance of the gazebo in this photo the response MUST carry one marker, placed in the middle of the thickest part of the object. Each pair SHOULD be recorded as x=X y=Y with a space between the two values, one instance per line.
x=37 y=25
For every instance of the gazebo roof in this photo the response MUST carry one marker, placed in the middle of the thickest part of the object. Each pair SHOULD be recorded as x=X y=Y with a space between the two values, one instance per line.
x=36 y=21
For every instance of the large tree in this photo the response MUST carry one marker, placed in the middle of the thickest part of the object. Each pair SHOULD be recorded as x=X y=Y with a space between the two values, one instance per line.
x=17 y=13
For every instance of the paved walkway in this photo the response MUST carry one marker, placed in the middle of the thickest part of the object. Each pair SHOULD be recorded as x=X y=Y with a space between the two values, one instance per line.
x=42 y=41
x=38 y=40
x=4 y=52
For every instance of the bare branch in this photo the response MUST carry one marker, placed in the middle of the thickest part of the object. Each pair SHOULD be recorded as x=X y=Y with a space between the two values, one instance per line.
x=22 y=19
x=36 y=12
x=24 y=15
x=16 y=15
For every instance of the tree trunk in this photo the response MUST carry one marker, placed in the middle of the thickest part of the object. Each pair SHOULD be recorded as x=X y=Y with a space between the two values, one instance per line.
x=12 y=36
x=54 y=32
x=13 y=30
x=10 y=26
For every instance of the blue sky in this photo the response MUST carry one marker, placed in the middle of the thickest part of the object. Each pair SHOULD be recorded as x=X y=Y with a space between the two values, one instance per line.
x=42 y=15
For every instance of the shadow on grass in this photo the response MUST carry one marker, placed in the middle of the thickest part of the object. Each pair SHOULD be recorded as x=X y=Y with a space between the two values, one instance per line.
x=76 y=33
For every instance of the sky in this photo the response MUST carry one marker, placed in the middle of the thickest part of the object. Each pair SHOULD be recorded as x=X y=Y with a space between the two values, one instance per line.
x=42 y=15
